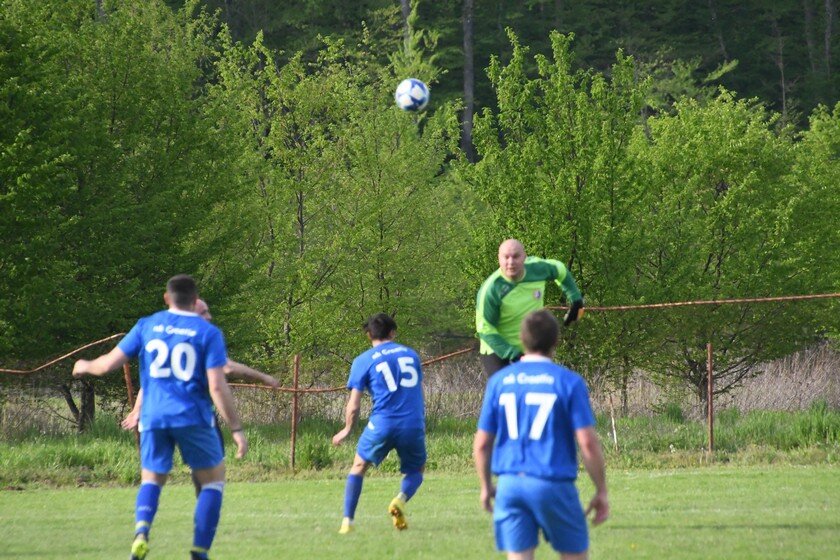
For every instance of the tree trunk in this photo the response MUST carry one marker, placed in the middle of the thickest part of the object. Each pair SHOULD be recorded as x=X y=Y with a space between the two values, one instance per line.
x=780 y=64
x=469 y=83
x=808 y=9
x=88 y=406
x=829 y=25
x=716 y=29
x=68 y=398
x=405 y=5
x=626 y=373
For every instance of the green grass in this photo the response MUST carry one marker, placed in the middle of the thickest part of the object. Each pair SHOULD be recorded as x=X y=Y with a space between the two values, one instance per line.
x=107 y=455
x=714 y=512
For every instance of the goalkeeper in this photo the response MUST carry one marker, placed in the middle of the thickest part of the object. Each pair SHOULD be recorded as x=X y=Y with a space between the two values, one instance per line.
x=509 y=294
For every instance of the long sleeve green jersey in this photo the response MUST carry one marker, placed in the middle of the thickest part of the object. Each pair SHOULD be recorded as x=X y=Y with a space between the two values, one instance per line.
x=501 y=304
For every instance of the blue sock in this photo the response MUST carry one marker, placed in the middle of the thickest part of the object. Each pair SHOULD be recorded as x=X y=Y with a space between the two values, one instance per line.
x=148 y=497
x=208 y=509
x=351 y=494
x=410 y=483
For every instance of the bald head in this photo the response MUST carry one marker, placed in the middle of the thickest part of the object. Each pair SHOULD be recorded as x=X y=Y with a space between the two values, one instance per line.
x=203 y=309
x=512 y=259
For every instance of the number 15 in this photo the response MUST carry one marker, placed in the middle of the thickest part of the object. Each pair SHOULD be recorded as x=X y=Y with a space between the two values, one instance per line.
x=406 y=366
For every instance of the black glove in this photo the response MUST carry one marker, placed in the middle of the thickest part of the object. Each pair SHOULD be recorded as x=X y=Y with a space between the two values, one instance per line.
x=575 y=311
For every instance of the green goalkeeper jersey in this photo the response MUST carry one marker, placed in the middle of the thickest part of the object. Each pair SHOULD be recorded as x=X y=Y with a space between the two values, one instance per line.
x=501 y=304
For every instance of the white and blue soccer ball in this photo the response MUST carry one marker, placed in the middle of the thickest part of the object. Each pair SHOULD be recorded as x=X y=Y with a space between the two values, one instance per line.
x=412 y=95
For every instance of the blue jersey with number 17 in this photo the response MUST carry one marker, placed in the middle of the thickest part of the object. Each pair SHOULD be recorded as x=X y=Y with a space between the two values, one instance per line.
x=533 y=408
x=391 y=373
x=175 y=349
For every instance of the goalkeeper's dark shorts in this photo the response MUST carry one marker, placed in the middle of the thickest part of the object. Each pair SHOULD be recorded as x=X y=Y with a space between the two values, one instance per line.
x=493 y=363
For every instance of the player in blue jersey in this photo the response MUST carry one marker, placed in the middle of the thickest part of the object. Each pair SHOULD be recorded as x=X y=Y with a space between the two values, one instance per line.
x=533 y=412
x=182 y=359
x=391 y=373
x=232 y=369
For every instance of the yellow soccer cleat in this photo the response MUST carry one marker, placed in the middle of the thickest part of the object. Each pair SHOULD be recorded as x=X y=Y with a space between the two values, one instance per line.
x=346 y=527
x=397 y=510
x=139 y=548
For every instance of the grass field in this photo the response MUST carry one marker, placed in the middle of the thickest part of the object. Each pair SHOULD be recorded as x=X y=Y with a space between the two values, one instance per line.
x=713 y=512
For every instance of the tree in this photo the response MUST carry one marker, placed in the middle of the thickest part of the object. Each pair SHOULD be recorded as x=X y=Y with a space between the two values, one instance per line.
x=108 y=160
x=338 y=198
x=717 y=182
x=554 y=172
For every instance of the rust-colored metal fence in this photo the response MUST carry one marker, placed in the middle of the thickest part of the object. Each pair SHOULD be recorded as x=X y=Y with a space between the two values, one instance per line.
x=298 y=392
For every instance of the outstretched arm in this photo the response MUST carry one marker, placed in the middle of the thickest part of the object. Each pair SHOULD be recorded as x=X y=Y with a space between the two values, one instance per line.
x=101 y=365
x=351 y=414
x=235 y=369
x=574 y=297
x=593 y=460
x=482 y=454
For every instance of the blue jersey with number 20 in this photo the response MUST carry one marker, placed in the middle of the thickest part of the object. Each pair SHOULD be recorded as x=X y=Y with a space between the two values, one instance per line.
x=533 y=408
x=175 y=349
x=391 y=373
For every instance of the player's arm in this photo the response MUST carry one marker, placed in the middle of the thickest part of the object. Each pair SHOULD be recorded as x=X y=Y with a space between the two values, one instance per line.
x=133 y=418
x=593 y=459
x=101 y=365
x=351 y=414
x=223 y=399
x=570 y=289
x=482 y=455
x=488 y=308
x=235 y=369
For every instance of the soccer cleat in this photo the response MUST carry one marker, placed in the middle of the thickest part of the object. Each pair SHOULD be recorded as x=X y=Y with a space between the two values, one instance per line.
x=139 y=548
x=346 y=527
x=397 y=510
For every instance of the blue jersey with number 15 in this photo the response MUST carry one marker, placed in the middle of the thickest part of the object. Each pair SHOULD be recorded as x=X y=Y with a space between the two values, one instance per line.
x=534 y=408
x=175 y=349
x=392 y=374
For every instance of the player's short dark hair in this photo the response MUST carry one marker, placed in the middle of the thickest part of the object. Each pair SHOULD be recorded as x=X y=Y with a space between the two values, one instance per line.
x=539 y=331
x=182 y=291
x=380 y=326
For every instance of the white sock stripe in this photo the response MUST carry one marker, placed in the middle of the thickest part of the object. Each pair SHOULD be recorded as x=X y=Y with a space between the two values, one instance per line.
x=220 y=486
x=152 y=482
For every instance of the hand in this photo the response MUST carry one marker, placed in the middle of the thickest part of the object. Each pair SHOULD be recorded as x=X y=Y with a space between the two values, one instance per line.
x=241 y=443
x=487 y=496
x=574 y=313
x=130 y=422
x=271 y=382
x=80 y=368
x=601 y=506
x=340 y=436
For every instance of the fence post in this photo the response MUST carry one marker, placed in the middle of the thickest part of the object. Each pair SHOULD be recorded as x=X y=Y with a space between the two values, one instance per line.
x=130 y=388
x=710 y=397
x=295 y=375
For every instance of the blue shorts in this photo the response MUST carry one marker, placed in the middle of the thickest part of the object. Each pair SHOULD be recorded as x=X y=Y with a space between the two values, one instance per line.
x=525 y=505
x=200 y=448
x=376 y=442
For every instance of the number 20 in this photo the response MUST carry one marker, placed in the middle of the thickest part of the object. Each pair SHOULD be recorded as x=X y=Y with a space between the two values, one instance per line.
x=545 y=401
x=179 y=351
x=406 y=366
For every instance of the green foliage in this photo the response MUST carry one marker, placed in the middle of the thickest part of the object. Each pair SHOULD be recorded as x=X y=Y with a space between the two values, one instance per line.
x=338 y=199
x=717 y=189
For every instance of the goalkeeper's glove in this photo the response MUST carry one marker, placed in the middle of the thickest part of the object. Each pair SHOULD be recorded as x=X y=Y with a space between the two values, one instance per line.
x=574 y=313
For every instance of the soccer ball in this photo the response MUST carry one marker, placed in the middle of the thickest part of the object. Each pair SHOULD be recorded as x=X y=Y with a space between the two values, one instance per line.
x=412 y=95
